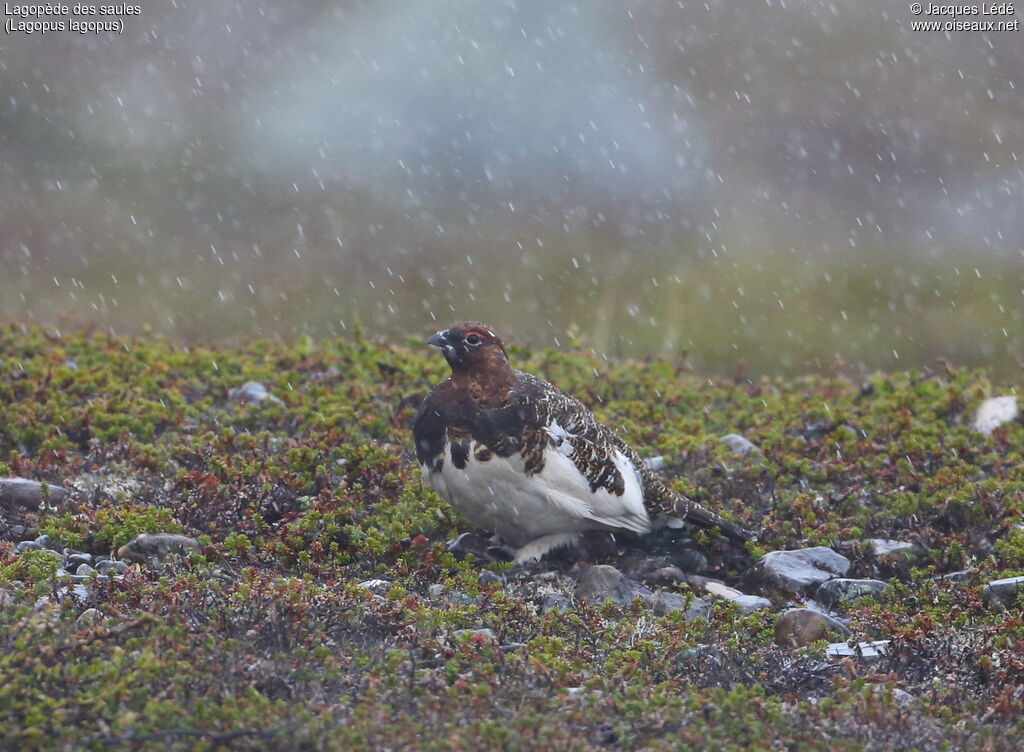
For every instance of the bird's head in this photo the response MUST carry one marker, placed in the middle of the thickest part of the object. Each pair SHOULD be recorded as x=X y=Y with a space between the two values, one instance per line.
x=471 y=346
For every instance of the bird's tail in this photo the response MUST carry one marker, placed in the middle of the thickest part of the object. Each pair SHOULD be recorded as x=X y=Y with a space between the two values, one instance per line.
x=697 y=515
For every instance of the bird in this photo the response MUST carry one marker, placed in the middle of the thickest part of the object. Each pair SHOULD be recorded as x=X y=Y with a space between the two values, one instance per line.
x=516 y=456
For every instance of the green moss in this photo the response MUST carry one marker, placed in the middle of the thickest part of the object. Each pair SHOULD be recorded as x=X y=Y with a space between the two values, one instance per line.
x=266 y=640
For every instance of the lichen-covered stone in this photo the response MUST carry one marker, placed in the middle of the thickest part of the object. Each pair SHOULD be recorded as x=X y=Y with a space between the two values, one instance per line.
x=602 y=583
x=836 y=591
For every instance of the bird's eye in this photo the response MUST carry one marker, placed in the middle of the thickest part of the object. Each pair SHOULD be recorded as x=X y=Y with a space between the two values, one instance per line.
x=473 y=339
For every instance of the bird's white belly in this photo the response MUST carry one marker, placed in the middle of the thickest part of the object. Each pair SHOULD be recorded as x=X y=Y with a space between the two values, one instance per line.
x=498 y=495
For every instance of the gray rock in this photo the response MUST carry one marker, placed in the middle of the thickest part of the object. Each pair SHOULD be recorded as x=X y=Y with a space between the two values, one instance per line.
x=891 y=551
x=961 y=575
x=74 y=561
x=487 y=577
x=690 y=560
x=44 y=541
x=695 y=608
x=655 y=463
x=436 y=592
x=104 y=484
x=152 y=548
x=1003 y=592
x=738 y=445
x=78 y=579
x=834 y=592
x=869 y=652
x=29 y=494
x=90 y=617
x=84 y=570
x=748 y=604
x=109 y=567
x=251 y=392
x=602 y=583
x=469 y=544
x=380 y=586
x=994 y=412
x=795 y=571
x=902 y=697
x=27 y=546
x=555 y=602
x=800 y=626
x=78 y=591
x=669 y=575
x=701 y=654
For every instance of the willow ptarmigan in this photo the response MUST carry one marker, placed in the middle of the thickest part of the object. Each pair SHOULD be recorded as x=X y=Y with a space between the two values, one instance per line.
x=520 y=458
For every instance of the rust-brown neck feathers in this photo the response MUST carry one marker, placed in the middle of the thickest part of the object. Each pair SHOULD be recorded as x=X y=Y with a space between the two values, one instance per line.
x=478 y=360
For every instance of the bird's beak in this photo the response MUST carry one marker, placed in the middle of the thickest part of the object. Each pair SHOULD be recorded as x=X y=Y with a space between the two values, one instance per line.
x=438 y=340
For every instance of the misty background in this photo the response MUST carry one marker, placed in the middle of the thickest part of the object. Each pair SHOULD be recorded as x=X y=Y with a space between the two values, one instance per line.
x=772 y=186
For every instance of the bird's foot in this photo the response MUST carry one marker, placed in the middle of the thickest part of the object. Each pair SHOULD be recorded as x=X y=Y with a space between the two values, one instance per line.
x=535 y=549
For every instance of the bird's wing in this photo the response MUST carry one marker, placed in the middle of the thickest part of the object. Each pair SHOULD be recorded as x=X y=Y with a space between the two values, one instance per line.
x=603 y=460
x=567 y=453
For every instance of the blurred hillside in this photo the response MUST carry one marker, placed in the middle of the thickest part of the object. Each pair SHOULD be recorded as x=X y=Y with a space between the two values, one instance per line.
x=767 y=184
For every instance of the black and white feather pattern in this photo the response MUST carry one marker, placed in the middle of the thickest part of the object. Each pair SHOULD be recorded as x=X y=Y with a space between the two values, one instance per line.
x=516 y=456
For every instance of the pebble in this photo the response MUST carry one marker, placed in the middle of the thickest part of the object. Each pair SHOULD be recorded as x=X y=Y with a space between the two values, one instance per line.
x=961 y=575
x=555 y=602
x=602 y=583
x=995 y=411
x=739 y=445
x=90 y=617
x=29 y=494
x=469 y=544
x=891 y=551
x=866 y=651
x=747 y=604
x=1003 y=592
x=76 y=560
x=690 y=560
x=111 y=567
x=435 y=592
x=84 y=570
x=800 y=626
x=794 y=571
x=487 y=577
x=655 y=463
x=78 y=591
x=667 y=603
x=78 y=579
x=834 y=592
x=382 y=586
x=251 y=392
x=27 y=546
x=670 y=575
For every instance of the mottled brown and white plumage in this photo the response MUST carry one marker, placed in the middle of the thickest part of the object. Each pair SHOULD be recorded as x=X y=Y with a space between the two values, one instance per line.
x=516 y=456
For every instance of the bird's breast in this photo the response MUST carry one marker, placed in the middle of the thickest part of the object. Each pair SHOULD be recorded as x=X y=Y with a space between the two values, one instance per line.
x=499 y=493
